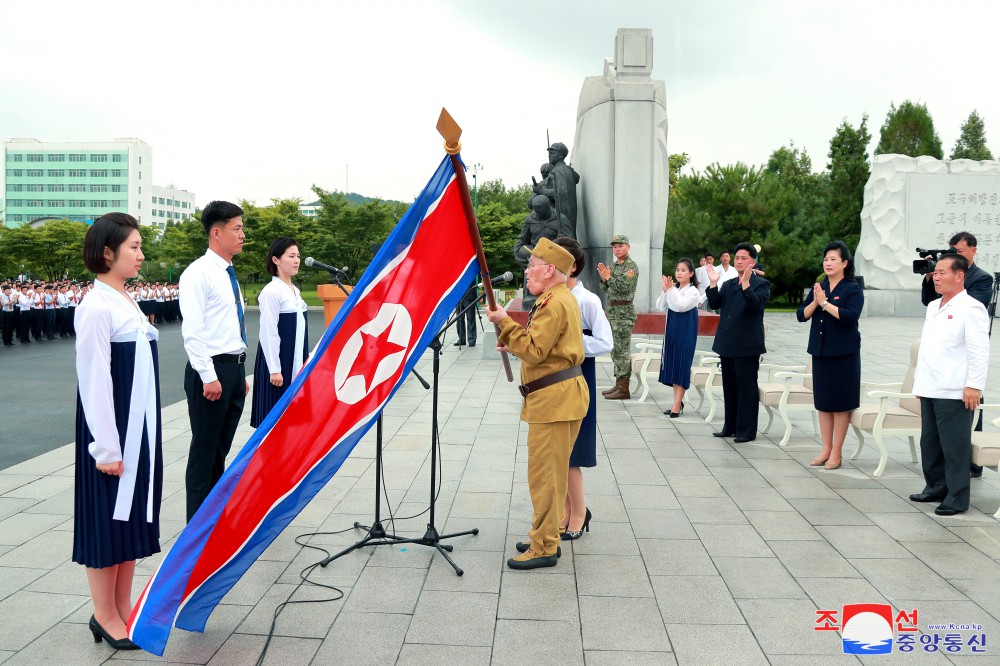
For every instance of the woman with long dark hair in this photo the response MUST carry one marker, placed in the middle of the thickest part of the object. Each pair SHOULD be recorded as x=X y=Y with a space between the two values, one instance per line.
x=284 y=332
x=834 y=306
x=680 y=301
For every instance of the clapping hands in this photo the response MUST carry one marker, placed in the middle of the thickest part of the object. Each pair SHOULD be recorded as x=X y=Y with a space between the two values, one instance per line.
x=666 y=282
x=819 y=296
x=603 y=271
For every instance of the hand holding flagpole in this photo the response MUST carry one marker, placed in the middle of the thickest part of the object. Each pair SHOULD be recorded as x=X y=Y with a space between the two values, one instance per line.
x=451 y=133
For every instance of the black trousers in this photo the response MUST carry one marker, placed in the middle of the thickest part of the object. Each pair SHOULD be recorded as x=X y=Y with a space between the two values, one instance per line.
x=37 y=323
x=465 y=327
x=213 y=425
x=49 y=325
x=24 y=325
x=945 y=449
x=739 y=391
x=7 y=326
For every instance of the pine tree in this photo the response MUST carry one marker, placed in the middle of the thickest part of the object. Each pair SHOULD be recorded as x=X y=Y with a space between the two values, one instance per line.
x=909 y=130
x=971 y=144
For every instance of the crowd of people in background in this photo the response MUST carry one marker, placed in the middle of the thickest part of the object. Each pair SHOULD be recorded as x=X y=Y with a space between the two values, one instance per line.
x=37 y=311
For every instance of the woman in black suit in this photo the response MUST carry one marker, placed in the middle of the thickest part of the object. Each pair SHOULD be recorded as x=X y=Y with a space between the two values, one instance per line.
x=834 y=307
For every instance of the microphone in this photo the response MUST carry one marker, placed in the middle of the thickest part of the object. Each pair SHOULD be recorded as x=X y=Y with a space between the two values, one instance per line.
x=501 y=279
x=312 y=263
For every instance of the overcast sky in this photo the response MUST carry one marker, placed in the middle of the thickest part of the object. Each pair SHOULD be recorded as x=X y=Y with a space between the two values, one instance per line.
x=261 y=99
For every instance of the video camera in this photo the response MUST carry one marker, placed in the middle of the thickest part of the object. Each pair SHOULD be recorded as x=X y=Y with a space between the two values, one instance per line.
x=924 y=266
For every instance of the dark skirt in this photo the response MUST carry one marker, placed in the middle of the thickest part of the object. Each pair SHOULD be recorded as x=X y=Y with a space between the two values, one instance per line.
x=98 y=540
x=679 y=340
x=147 y=307
x=837 y=382
x=265 y=394
x=585 y=448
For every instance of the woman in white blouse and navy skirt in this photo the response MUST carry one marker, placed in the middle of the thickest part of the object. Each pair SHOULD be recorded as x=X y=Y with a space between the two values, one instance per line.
x=284 y=332
x=119 y=466
x=680 y=301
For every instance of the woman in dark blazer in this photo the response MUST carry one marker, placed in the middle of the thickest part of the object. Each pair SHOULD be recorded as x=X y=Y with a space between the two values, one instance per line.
x=834 y=307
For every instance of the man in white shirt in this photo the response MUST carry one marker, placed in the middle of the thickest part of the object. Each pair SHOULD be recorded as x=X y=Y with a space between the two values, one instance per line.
x=727 y=270
x=215 y=339
x=949 y=380
x=701 y=275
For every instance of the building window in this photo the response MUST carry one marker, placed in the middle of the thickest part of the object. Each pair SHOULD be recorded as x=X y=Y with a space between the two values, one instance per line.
x=117 y=188
x=117 y=203
x=140 y=159
x=15 y=203
x=55 y=188
x=98 y=158
x=184 y=204
x=56 y=157
x=140 y=189
x=77 y=173
x=15 y=157
x=170 y=202
x=55 y=203
x=98 y=188
x=77 y=157
x=14 y=188
x=140 y=175
x=117 y=157
x=14 y=173
x=140 y=205
x=36 y=157
x=98 y=173
x=77 y=203
x=34 y=173
x=57 y=173
x=36 y=188
x=33 y=203
x=117 y=173
x=99 y=203
x=77 y=188
x=160 y=201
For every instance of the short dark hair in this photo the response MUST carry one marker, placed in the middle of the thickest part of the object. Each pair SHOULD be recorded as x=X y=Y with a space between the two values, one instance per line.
x=748 y=247
x=278 y=247
x=219 y=212
x=574 y=248
x=845 y=254
x=958 y=262
x=108 y=231
x=969 y=239
x=690 y=265
x=707 y=255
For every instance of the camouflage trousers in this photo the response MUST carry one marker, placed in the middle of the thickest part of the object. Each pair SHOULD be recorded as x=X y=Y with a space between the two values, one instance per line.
x=622 y=319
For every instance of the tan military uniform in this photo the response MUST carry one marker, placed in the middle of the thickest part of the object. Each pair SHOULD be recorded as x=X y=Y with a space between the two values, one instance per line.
x=552 y=341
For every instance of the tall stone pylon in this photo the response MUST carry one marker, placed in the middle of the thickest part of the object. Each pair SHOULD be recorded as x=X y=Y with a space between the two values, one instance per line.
x=621 y=155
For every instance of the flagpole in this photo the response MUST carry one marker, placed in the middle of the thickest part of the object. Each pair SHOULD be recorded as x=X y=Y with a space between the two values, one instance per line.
x=451 y=133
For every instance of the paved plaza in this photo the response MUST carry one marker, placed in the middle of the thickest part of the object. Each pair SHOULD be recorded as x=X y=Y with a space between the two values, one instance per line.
x=700 y=551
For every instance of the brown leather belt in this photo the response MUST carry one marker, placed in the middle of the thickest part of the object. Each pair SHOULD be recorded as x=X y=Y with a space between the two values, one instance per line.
x=549 y=380
x=619 y=303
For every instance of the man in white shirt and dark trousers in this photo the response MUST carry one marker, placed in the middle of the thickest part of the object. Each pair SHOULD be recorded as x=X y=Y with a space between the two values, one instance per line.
x=949 y=379
x=215 y=339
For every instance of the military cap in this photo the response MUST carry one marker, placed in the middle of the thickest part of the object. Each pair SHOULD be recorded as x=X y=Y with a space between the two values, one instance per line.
x=553 y=254
x=620 y=238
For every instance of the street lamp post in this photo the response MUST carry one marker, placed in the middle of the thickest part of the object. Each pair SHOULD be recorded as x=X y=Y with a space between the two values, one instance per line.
x=475 y=187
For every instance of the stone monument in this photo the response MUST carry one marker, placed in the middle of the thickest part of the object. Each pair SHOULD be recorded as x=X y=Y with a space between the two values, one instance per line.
x=912 y=202
x=543 y=221
x=621 y=154
x=560 y=184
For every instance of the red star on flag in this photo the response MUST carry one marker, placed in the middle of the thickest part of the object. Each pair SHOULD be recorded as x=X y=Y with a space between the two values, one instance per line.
x=373 y=349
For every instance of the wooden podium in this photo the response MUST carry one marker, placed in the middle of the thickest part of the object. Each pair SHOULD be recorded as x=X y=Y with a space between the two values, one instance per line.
x=333 y=299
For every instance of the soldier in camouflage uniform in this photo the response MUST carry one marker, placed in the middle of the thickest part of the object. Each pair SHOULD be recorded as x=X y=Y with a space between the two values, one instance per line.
x=619 y=283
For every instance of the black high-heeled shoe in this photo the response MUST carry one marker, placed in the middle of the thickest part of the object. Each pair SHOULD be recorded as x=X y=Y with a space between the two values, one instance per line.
x=570 y=535
x=116 y=643
x=674 y=415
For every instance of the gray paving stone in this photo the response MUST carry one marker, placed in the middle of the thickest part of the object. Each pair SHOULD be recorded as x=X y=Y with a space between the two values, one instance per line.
x=758 y=499
x=782 y=526
x=675 y=557
x=192 y=647
x=47 y=550
x=785 y=626
x=13 y=579
x=862 y=541
x=811 y=559
x=611 y=576
x=245 y=649
x=386 y=590
x=639 y=474
x=906 y=579
x=712 y=510
x=695 y=600
x=732 y=541
x=365 y=639
x=545 y=642
x=831 y=511
x=712 y=644
x=63 y=643
x=661 y=524
x=735 y=477
x=422 y=655
x=480 y=505
x=623 y=658
x=454 y=618
x=522 y=597
x=802 y=487
x=835 y=592
x=880 y=500
x=482 y=570
x=607 y=539
x=622 y=624
x=758 y=578
x=302 y=620
x=648 y=497
x=916 y=526
x=959 y=559
x=696 y=486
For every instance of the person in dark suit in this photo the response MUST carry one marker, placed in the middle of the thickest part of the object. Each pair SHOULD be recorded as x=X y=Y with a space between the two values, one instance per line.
x=834 y=306
x=739 y=340
x=978 y=284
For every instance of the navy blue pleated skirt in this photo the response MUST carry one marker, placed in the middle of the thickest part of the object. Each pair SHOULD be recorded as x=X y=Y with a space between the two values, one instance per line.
x=265 y=394
x=98 y=540
x=585 y=448
x=837 y=382
x=679 y=340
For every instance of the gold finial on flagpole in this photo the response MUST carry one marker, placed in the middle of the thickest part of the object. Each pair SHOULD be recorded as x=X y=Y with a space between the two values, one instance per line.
x=449 y=129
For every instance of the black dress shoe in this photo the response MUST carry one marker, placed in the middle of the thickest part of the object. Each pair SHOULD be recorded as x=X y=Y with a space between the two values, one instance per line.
x=472 y=344
x=975 y=471
x=722 y=434
x=523 y=546
x=458 y=344
x=923 y=497
x=742 y=440
x=947 y=511
x=116 y=643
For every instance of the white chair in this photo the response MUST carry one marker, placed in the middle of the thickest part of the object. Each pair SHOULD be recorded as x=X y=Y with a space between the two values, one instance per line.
x=648 y=352
x=885 y=418
x=706 y=377
x=986 y=445
x=786 y=396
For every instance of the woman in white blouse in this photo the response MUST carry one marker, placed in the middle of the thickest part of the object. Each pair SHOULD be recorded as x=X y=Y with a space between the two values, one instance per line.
x=284 y=334
x=119 y=466
x=680 y=301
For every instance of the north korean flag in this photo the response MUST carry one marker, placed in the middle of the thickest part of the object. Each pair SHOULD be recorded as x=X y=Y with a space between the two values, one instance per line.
x=398 y=305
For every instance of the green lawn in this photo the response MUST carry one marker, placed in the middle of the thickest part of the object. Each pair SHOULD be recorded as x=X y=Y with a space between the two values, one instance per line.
x=252 y=289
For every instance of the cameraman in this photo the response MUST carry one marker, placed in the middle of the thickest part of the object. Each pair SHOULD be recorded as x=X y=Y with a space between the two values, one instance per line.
x=978 y=284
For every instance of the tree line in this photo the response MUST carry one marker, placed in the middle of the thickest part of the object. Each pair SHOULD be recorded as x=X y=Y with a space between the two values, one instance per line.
x=784 y=205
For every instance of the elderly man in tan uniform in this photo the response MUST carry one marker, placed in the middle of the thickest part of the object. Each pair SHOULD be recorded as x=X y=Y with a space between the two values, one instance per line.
x=555 y=393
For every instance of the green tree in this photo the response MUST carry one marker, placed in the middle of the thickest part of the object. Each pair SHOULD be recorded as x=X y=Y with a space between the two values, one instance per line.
x=347 y=235
x=182 y=243
x=849 y=169
x=971 y=144
x=262 y=224
x=675 y=163
x=909 y=130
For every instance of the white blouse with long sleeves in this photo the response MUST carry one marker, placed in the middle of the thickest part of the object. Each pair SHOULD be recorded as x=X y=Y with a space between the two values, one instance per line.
x=274 y=299
x=600 y=341
x=678 y=299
